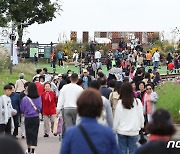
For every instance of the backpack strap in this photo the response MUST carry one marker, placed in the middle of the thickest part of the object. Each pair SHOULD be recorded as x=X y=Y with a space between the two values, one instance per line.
x=91 y=145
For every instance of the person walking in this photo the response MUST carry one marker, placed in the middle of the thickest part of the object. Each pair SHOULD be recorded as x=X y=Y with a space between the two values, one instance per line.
x=35 y=59
x=6 y=111
x=49 y=101
x=31 y=107
x=15 y=101
x=156 y=59
x=67 y=101
x=148 y=58
x=161 y=130
x=75 y=58
x=114 y=96
x=128 y=119
x=22 y=95
x=150 y=99
x=60 y=58
x=84 y=139
x=19 y=86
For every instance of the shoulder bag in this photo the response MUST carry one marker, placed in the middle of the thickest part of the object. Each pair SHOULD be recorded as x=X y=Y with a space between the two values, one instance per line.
x=33 y=105
x=91 y=145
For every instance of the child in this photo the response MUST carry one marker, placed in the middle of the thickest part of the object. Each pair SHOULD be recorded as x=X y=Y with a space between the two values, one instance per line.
x=6 y=111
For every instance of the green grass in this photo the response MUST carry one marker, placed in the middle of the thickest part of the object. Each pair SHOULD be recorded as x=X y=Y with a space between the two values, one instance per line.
x=6 y=78
x=169 y=98
x=162 y=70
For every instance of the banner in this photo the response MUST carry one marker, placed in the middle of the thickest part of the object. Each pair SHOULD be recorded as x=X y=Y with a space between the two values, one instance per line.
x=47 y=52
x=33 y=51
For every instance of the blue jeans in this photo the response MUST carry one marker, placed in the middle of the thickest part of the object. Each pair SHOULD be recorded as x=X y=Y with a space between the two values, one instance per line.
x=127 y=144
x=156 y=64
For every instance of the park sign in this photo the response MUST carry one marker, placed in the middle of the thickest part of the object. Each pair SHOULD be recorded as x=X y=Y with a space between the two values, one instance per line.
x=47 y=52
x=33 y=49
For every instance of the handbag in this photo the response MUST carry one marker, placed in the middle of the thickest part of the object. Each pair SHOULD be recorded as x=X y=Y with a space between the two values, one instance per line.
x=33 y=105
x=91 y=145
x=58 y=124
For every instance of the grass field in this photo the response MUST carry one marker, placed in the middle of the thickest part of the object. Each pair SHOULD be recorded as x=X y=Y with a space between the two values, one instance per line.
x=169 y=98
x=162 y=70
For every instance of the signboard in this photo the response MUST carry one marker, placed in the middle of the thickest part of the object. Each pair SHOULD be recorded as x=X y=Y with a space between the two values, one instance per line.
x=47 y=52
x=33 y=51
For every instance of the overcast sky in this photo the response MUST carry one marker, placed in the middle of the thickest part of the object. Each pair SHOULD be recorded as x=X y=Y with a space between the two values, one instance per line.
x=108 y=15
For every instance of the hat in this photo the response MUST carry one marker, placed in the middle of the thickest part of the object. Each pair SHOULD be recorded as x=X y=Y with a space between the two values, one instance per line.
x=21 y=75
x=55 y=77
x=59 y=75
x=85 y=71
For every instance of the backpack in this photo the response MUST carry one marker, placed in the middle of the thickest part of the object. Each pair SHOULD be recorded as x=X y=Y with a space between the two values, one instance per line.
x=103 y=118
x=116 y=55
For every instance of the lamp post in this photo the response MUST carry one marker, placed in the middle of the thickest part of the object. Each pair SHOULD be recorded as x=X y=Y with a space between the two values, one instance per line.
x=12 y=38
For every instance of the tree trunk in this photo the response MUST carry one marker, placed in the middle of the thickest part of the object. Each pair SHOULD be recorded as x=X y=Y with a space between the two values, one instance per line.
x=20 y=34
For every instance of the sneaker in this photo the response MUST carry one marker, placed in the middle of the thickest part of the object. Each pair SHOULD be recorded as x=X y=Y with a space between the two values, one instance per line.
x=26 y=152
x=46 y=135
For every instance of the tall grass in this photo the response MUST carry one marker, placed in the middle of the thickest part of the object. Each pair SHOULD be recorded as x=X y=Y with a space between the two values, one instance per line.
x=4 y=59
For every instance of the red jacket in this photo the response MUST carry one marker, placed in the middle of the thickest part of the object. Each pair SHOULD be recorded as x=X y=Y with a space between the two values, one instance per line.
x=170 y=66
x=49 y=101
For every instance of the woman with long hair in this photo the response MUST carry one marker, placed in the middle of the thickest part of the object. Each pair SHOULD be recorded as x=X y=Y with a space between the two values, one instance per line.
x=128 y=119
x=31 y=107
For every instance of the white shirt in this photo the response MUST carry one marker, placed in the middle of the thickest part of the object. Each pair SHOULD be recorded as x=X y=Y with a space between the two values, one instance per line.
x=68 y=96
x=8 y=109
x=156 y=56
x=97 y=55
x=128 y=121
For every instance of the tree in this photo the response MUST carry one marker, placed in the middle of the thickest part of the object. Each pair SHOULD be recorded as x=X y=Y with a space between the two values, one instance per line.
x=24 y=13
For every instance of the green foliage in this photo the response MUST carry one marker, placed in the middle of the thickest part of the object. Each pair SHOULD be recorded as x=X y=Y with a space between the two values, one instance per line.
x=27 y=12
x=69 y=47
x=169 y=98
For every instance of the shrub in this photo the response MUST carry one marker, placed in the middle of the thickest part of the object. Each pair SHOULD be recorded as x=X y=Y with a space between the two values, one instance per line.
x=4 y=58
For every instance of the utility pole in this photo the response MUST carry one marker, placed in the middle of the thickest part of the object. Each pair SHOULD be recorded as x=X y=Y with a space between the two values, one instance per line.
x=12 y=38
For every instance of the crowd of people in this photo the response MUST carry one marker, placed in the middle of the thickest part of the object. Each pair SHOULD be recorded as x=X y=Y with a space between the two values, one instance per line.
x=118 y=109
x=120 y=106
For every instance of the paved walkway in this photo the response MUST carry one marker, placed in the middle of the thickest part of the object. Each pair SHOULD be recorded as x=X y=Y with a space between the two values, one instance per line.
x=49 y=145
x=177 y=135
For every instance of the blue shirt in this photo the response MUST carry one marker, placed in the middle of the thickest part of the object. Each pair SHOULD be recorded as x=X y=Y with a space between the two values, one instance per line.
x=85 y=80
x=102 y=137
x=60 y=55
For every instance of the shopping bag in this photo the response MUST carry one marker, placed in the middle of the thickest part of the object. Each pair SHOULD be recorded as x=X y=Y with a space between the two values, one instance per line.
x=60 y=125
x=55 y=125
